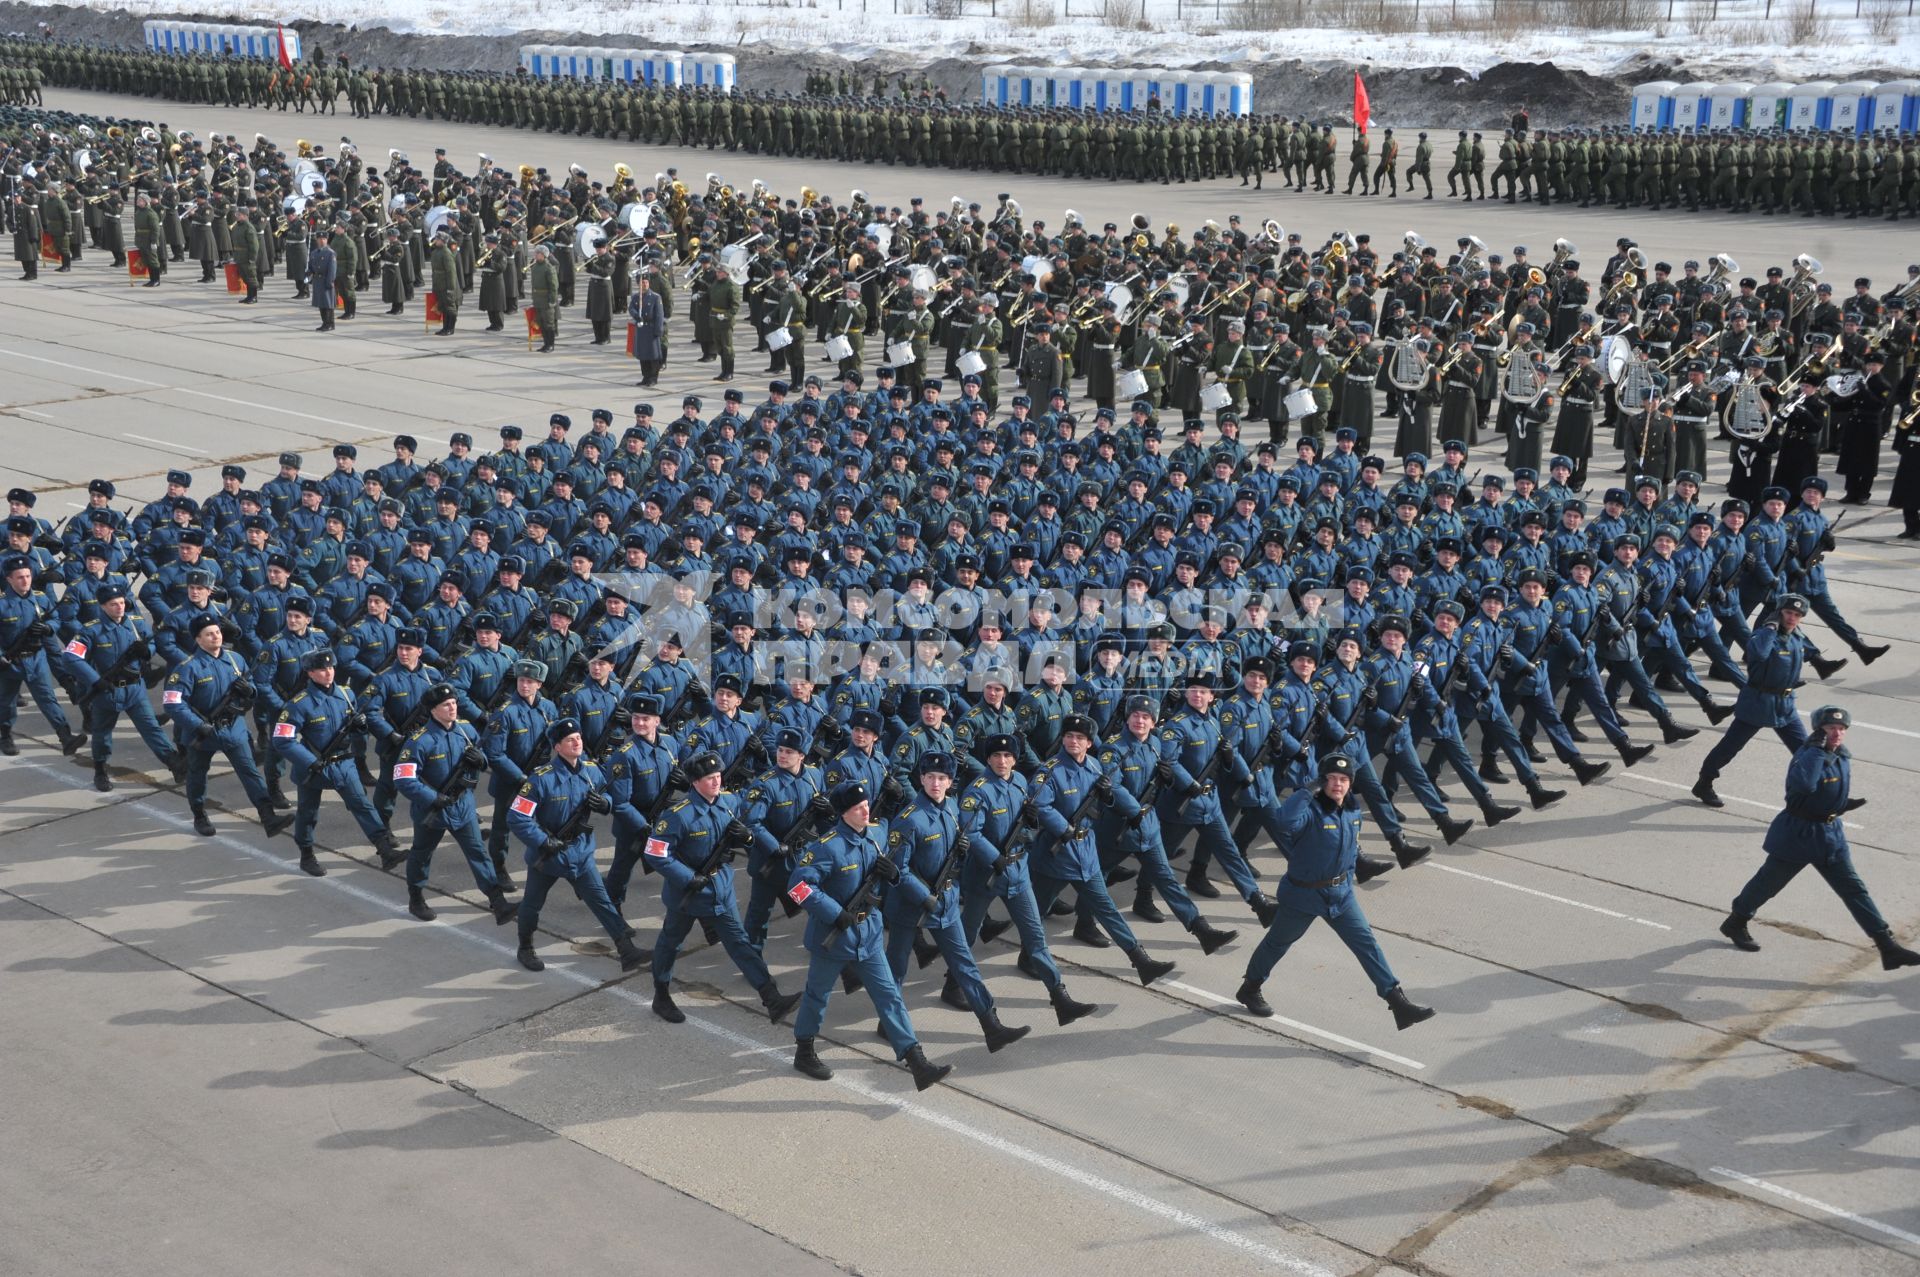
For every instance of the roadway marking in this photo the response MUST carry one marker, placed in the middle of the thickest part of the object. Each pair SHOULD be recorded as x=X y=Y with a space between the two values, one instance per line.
x=1872 y=727
x=184 y=447
x=1732 y=798
x=1329 y=1035
x=247 y=403
x=842 y=1077
x=94 y=372
x=1817 y=1204
x=1514 y=886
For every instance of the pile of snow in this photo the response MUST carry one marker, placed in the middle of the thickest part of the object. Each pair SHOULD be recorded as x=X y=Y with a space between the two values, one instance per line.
x=1711 y=37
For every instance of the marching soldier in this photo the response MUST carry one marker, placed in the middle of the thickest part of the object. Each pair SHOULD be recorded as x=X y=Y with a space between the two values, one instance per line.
x=318 y=733
x=207 y=696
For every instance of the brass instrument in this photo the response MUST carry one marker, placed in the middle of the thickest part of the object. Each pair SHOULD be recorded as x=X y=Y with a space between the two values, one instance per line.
x=1801 y=288
x=1691 y=350
x=543 y=233
x=1628 y=283
x=1447 y=365
x=1221 y=299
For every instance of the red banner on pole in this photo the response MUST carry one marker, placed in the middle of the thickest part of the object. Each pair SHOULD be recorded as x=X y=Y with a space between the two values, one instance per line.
x=1362 y=107
x=280 y=34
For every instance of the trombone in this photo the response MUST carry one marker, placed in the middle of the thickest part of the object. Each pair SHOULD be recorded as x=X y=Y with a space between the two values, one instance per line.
x=541 y=234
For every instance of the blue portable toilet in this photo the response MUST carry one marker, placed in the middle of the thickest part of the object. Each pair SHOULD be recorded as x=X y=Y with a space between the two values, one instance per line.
x=1811 y=106
x=1183 y=95
x=1853 y=107
x=1727 y=108
x=1239 y=93
x=1693 y=106
x=1896 y=106
x=1771 y=103
x=1652 y=106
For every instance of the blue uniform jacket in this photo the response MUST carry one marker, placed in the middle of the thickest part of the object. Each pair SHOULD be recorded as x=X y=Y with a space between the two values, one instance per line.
x=1321 y=843
x=918 y=840
x=545 y=803
x=1809 y=829
x=1773 y=663
x=427 y=762
x=989 y=807
x=826 y=874
x=681 y=843
x=313 y=720
x=1061 y=786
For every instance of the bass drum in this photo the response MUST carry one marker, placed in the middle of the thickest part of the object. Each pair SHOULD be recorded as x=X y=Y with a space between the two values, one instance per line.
x=1615 y=351
x=900 y=353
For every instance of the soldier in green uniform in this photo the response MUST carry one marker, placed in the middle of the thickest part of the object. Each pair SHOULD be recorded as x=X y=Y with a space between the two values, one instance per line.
x=446 y=282
x=723 y=305
x=1422 y=166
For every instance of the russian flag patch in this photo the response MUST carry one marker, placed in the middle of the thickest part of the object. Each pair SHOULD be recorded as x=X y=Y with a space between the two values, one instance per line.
x=800 y=893
x=172 y=696
x=524 y=805
x=405 y=771
x=284 y=731
x=657 y=848
x=77 y=647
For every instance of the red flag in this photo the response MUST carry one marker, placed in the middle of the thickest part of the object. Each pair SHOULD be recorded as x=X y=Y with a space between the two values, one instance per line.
x=1362 y=108
x=286 y=59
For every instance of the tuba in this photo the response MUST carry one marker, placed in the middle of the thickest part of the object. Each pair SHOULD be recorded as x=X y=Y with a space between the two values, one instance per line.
x=1719 y=268
x=1562 y=250
x=1801 y=291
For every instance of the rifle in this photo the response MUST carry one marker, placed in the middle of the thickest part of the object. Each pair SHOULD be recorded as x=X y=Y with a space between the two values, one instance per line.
x=113 y=672
x=736 y=770
x=860 y=903
x=829 y=739
x=725 y=848
x=464 y=778
x=1813 y=561
x=340 y=748
x=28 y=640
x=687 y=702
x=234 y=703
x=956 y=855
x=414 y=721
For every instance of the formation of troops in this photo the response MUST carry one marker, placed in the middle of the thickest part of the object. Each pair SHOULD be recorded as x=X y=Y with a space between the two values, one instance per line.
x=1769 y=172
x=934 y=667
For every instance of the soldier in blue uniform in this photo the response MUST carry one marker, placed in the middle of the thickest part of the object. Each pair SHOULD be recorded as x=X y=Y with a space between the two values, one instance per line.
x=208 y=696
x=108 y=660
x=393 y=708
x=640 y=774
x=781 y=805
x=993 y=815
x=1321 y=832
x=1134 y=759
x=552 y=816
x=921 y=841
x=692 y=847
x=1066 y=792
x=26 y=643
x=516 y=741
x=839 y=879
x=1774 y=657
x=436 y=769
x=1810 y=831
x=318 y=732
x=1190 y=743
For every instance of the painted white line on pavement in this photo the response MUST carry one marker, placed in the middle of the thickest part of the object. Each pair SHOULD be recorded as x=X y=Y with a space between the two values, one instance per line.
x=287 y=412
x=1330 y=1036
x=29 y=412
x=1872 y=727
x=842 y=1077
x=92 y=372
x=164 y=443
x=1732 y=798
x=1514 y=886
x=1817 y=1204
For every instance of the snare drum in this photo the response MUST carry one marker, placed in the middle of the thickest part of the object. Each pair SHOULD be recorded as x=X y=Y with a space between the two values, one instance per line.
x=900 y=354
x=839 y=348
x=779 y=338
x=1300 y=404
x=1130 y=385
x=1215 y=397
x=971 y=361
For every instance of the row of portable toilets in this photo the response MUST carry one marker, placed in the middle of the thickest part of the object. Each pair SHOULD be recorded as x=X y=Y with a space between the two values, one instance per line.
x=1856 y=106
x=664 y=67
x=1123 y=89
x=219 y=38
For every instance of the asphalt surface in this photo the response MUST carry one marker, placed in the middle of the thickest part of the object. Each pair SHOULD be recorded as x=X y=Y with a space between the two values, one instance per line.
x=224 y=1060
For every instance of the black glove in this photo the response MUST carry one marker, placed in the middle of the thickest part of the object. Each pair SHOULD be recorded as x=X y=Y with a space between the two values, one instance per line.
x=677 y=778
x=887 y=870
x=473 y=756
x=700 y=883
x=598 y=803
x=443 y=801
x=1193 y=790
x=551 y=847
x=756 y=747
x=1005 y=860
x=845 y=921
x=737 y=833
x=1104 y=788
x=39 y=630
x=1826 y=540
x=394 y=740
x=820 y=806
x=1163 y=771
x=1134 y=821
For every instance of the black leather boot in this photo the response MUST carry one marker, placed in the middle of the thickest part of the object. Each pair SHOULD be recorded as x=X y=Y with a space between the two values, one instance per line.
x=1493 y=813
x=417 y=904
x=999 y=1035
x=1406 y=1012
x=1735 y=929
x=778 y=1004
x=1541 y=796
x=806 y=1060
x=1212 y=939
x=1408 y=852
x=1453 y=830
x=925 y=1072
x=310 y=863
x=1631 y=753
x=1249 y=997
x=101 y=781
x=1587 y=771
x=1065 y=1009
x=663 y=1005
x=1147 y=968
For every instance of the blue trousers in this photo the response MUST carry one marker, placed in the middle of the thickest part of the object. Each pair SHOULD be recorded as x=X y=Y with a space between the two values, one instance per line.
x=626 y=854
x=1026 y=920
x=1719 y=658
x=1047 y=889
x=1734 y=629
x=951 y=936
x=1584 y=689
x=1665 y=659
x=1534 y=699
x=1823 y=607
x=676 y=926
x=1793 y=735
x=1350 y=924
x=239 y=751
x=1634 y=675
x=461 y=822
x=1156 y=872
x=34 y=673
x=586 y=885
x=871 y=966
x=1777 y=871
x=1496 y=732
x=762 y=893
x=1215 y=843
x=1448 y=746
x=131 y=701
x=1397 y=748
x=341 y=778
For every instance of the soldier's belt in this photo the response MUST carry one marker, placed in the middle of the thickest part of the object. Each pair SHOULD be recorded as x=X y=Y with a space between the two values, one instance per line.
x=1149 y=367
x=1316 y=886
x=1576 y=403
x=1327 y=385
x=987 y=349
x=1356 y=376
x=1694 y=421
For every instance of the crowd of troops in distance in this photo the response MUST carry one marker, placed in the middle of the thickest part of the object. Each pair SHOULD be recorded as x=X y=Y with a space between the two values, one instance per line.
x=911 y=654
x=1766 y=171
